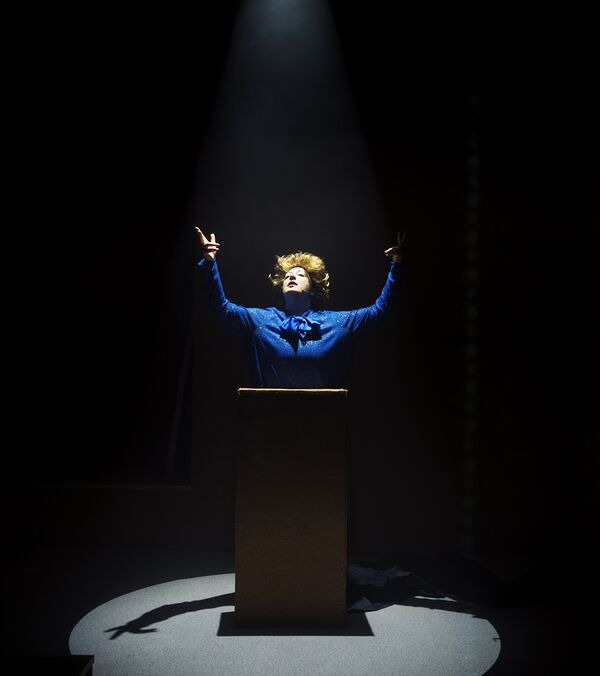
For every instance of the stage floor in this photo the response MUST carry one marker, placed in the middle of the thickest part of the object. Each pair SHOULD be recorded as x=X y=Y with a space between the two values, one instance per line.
x=156 y=611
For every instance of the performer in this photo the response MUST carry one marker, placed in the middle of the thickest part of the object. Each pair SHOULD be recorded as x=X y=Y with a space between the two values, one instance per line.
x=299 y=346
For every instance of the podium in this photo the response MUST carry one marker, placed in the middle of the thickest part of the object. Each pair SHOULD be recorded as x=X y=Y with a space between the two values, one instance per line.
x=290 y=508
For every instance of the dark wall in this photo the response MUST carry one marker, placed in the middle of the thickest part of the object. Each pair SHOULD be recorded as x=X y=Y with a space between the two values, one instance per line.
x=111 y=124
x=111 y=119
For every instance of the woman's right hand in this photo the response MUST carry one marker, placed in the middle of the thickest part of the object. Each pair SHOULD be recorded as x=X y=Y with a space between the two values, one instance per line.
x=210 y=247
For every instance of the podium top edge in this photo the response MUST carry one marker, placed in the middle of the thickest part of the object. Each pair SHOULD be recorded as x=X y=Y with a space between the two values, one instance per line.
x=289 y=390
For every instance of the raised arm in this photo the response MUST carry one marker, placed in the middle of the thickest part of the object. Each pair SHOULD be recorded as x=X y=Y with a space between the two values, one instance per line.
x=235 y=318
x=365 y=318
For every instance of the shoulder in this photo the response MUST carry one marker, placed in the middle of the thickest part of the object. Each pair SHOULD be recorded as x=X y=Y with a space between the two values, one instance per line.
x=333 y=314
x=267 y=314
x=333 y=317
x=274 y=311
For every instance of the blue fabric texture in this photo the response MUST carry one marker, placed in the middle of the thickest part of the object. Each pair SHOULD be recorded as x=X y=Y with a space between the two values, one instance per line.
x=313 y=350
x=299 y=328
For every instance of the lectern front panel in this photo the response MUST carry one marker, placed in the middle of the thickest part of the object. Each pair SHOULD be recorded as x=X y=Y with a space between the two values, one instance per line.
x=290 y=531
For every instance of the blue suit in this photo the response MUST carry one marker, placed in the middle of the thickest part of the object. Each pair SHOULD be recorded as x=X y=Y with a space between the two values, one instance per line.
x=313 y=350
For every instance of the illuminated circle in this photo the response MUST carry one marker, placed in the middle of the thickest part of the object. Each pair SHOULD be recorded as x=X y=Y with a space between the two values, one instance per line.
x=179 y=635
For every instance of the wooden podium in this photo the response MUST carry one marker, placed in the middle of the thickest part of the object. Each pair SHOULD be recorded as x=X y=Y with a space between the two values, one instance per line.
x=290 y=512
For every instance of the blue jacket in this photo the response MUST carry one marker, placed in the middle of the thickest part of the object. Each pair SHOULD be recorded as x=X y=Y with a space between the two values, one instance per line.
x=313 y=350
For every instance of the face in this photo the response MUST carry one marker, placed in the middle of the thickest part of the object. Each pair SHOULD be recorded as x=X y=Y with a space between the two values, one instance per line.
x=296 y=280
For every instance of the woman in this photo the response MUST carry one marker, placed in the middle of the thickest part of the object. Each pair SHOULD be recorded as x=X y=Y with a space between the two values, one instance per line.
x=299 y=346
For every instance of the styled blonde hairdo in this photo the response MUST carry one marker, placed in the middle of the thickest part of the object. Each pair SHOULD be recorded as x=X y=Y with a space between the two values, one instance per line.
x=314 y=266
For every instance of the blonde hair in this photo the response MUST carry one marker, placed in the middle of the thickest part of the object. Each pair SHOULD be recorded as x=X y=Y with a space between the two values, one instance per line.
x=314 y=266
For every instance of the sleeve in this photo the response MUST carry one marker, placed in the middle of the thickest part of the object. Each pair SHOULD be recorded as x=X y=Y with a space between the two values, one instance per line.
x=235 y=318
x=366 y=318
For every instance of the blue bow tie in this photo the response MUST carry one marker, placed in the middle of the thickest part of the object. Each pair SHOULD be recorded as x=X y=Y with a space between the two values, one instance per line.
x=299 y=327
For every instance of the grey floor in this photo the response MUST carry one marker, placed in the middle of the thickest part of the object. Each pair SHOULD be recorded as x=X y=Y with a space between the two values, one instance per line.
x=174 y=609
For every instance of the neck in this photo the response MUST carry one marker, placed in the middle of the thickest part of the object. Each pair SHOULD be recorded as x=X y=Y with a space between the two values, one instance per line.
x=296 y=304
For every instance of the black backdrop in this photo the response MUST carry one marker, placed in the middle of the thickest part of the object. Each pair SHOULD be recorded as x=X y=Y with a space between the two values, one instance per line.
x=111 y=118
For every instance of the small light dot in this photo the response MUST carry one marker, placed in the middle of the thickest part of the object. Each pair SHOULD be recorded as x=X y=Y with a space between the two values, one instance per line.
x=471 y=349
x=471 y=386
x=472 y=236
x=468 y=502
x=468 y=483
x=472 y=311
x=467 y=541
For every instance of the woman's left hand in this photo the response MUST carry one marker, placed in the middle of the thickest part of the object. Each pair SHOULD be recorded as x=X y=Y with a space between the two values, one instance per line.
x=398 y=252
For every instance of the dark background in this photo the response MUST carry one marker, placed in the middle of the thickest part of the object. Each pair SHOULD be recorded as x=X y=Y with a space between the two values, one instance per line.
x=111 y=118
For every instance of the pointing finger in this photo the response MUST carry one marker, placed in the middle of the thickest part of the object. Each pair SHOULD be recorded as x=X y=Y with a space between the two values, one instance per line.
x=212 y=237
